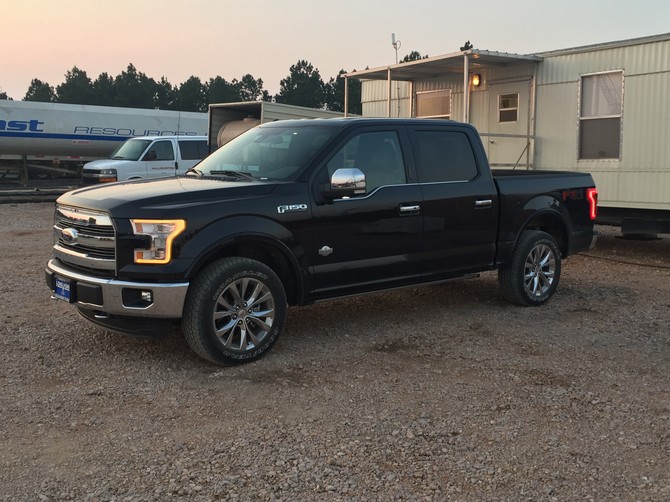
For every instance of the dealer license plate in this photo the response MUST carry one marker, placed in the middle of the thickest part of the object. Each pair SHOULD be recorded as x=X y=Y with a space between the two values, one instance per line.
x=63 y=289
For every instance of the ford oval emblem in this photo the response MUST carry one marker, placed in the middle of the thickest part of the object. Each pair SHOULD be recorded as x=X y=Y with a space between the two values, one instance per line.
x=70 y=236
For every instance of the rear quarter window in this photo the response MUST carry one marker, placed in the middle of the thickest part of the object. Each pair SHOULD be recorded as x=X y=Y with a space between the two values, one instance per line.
x=193 y=150
x=444 y=156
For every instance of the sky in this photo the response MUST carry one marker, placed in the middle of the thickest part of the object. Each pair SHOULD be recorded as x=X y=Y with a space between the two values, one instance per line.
x=177 y=39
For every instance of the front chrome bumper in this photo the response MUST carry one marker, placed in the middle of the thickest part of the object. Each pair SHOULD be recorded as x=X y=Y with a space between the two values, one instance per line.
x=114 y=297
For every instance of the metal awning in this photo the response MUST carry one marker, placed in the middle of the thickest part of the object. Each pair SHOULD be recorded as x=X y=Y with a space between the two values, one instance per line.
x=437 y=66
x=462 y=62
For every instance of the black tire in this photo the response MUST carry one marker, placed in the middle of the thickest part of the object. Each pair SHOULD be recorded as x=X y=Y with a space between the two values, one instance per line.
x=533 y=273
x=234 y=312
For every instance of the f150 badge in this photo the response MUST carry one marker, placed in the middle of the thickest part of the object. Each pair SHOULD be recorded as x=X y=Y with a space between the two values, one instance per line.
x=292 y=208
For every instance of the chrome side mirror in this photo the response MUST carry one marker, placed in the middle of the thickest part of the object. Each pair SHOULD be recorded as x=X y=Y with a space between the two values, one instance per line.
x=346 y=182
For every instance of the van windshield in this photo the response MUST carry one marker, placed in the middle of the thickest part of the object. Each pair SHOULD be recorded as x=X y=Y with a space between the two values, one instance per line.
x=131 y=149
x=267 y=153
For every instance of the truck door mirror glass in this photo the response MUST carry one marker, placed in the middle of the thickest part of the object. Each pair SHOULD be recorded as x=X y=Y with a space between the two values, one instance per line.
x=346 y=182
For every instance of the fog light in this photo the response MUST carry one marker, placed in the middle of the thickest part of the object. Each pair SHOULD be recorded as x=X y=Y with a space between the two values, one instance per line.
x=146 y=296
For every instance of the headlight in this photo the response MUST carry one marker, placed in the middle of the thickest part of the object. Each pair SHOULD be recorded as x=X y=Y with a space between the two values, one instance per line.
x=162 y=233
x=108 y=175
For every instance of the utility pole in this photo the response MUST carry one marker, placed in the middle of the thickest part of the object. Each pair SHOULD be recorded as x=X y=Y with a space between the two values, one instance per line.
x=396 y=45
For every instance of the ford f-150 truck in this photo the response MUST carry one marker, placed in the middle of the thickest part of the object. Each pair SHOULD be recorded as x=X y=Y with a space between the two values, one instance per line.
x=299 y=211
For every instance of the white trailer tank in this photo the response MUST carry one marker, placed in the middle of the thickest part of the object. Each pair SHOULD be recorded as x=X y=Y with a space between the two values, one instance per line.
x=53 y=139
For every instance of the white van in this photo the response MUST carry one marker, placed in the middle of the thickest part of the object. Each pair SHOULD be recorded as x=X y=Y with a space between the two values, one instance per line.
x=147 y=157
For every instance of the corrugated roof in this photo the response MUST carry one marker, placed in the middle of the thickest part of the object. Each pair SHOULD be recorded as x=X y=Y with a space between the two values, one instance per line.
x=607 y=45
x=437 y=66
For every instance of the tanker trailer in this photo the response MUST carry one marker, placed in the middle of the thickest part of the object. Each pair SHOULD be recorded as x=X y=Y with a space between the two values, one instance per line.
x=48 y=143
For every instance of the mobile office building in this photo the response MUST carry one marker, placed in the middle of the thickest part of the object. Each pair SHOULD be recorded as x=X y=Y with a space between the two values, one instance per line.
x=601 y=108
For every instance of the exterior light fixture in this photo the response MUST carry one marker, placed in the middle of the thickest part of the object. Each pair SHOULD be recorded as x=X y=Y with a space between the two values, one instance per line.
x=476 y=79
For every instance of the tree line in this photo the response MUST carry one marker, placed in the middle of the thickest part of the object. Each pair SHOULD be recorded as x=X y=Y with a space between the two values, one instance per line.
x=303 y=86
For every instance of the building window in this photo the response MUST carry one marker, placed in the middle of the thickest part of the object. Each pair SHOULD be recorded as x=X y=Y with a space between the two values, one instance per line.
x=600 y=112
x=435 y=104
x=508 y=107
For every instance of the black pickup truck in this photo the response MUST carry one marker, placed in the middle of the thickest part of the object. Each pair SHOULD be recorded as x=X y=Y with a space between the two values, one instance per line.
x=298 y=211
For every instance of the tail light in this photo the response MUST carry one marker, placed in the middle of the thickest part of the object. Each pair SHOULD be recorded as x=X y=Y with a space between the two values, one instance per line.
x=592 y=197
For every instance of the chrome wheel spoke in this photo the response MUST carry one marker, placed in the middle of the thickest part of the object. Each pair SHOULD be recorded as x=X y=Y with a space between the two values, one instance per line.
x=254 y=339
x=228 y=327
x=261 y=323
x=230 y=339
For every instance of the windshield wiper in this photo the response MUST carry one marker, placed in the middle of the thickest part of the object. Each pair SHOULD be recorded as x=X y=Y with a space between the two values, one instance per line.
x=233 y=174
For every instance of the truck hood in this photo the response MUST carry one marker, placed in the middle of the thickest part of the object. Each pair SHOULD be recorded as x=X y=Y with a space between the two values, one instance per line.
x=101 y=164
x=159 y=197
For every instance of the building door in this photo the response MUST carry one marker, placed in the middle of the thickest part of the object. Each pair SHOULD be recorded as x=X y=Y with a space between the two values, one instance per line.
x=508 y=142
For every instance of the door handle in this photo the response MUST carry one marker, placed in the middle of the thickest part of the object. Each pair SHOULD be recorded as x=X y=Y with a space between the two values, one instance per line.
x=410 y=209
x=483 y=204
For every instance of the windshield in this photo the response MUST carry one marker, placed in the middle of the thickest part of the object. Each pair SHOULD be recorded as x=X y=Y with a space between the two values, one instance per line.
x=270 y=153
x=131 y=149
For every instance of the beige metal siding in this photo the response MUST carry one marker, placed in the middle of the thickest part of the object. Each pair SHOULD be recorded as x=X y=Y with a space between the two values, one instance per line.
x=641 y=178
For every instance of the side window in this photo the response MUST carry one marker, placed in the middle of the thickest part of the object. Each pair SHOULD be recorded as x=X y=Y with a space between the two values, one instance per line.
x=601 y=109
x=376 y=154
x=444 y=156
x=193 y=150
x=163 y=150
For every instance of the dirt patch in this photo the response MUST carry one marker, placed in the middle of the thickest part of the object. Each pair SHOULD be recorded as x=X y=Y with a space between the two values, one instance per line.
x=437 y=393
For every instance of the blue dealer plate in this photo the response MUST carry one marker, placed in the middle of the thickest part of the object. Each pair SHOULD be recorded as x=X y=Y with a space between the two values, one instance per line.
x=62 y=289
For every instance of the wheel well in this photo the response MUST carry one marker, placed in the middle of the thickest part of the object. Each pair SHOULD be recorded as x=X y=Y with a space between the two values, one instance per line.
x=266 y=254
x=554 y=226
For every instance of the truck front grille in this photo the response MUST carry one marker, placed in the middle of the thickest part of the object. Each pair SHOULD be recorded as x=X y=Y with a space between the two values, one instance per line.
x=84 y=239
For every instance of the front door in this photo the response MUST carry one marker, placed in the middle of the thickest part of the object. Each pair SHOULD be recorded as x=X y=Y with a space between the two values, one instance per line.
x=160 y=159
x=370 y=241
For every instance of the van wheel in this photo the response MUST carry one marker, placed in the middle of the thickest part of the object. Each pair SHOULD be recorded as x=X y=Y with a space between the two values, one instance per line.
x=234 y=312
x=533 y=273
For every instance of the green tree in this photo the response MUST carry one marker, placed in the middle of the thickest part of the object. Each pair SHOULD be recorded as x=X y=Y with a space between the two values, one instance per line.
x=165 y=97
x=3 y=95
x=303 y=86
x=40 y=91
x=103 y=90
x=134 y=89
x=335 y=94
x=413 y=56
x=219 y=90
x=77 y=88
x=192 y=96
x=251 y=89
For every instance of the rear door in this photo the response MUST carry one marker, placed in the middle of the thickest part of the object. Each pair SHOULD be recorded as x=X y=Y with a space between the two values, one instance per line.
x=459 y=200
x=370 y=241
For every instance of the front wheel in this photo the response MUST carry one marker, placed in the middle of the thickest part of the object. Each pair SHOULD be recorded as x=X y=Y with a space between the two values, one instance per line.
x=234 y=312
x=533 y=273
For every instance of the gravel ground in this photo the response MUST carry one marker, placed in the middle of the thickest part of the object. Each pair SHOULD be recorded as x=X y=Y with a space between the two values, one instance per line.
x=439 y=393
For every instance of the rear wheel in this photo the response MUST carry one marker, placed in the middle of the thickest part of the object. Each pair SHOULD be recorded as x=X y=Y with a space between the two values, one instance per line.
x=533 y=273
x=234 y=312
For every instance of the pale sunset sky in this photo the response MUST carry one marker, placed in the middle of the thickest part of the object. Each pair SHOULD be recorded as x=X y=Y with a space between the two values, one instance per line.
x=176 y=39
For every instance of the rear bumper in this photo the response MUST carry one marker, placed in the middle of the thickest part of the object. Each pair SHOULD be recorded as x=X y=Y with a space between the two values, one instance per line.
x=119 y=298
